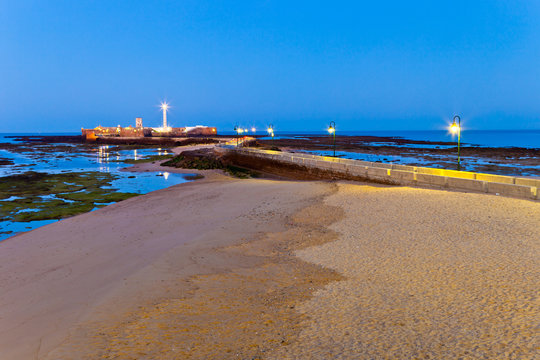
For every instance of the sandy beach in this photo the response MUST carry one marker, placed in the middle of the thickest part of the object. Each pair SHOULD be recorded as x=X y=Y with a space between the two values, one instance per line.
x=428 y=275
x=223 y=268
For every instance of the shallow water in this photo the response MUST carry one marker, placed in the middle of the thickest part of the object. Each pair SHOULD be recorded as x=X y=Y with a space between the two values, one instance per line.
x=62 y=158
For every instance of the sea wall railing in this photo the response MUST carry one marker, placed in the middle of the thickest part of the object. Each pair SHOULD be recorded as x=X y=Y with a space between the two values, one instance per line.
x=520 y=187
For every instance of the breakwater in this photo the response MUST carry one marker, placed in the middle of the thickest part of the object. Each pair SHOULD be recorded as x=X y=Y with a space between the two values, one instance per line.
x=526 y=188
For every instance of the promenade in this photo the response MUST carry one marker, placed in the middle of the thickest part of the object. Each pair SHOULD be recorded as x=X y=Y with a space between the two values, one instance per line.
x=386 y=173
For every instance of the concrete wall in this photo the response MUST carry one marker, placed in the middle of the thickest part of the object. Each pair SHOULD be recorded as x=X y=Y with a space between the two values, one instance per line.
x=526 y=188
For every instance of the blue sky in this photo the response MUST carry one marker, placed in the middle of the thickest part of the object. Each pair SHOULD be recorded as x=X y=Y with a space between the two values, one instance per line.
x=373 y=65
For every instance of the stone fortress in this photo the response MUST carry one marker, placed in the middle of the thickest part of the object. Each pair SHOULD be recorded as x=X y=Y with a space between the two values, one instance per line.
x=140 y=131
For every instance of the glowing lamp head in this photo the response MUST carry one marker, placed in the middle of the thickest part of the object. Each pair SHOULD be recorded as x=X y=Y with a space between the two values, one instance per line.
x=253 y=129
x=270 y=130
x=164 y=106
x=454 y=128
x=331 y=130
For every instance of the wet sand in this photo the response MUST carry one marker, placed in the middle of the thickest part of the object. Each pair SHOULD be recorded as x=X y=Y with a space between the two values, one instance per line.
x=92 y=269
x=224 y=268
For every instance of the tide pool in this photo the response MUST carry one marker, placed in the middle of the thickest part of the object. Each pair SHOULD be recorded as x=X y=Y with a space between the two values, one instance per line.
x=51 y=161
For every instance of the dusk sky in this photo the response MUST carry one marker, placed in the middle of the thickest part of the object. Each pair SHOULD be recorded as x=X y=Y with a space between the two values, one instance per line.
x=368 y=65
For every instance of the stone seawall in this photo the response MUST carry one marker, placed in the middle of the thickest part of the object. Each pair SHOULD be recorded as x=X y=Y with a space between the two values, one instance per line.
x=330 y=167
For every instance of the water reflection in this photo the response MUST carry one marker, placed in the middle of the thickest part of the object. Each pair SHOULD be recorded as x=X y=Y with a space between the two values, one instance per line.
x=103 y=154
x=103 y=158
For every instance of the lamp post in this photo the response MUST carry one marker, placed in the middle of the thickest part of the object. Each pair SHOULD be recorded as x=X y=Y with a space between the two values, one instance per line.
x=456 y=128
x=238 y=132
x=332 y=130
x=271 y=132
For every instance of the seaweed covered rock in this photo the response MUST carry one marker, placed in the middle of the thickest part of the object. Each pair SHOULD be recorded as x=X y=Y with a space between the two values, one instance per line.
x=33 y=196
x=203 y=159
x=207 y=159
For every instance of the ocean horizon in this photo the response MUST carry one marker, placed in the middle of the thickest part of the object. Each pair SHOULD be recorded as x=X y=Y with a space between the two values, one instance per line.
x=485 y=138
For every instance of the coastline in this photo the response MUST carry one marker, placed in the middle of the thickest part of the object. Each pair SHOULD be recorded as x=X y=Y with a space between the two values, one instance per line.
x=324 y=269
x=33 y=191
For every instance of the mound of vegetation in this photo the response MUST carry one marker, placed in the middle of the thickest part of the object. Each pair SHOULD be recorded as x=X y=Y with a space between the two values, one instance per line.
x=196 y=159
x=206 y=159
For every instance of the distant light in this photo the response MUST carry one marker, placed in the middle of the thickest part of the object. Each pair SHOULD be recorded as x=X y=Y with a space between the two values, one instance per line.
x=253 y=129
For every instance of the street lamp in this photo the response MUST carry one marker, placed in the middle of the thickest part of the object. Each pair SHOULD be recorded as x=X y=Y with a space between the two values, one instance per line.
x=456 y=128
x=271 y=132
x=332 y=130
x=238 y=132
